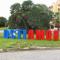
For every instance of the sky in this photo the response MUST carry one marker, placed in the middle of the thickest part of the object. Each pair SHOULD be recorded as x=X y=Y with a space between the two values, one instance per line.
x=5 y=5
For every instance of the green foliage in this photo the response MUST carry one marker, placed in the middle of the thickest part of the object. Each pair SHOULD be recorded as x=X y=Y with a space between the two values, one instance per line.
x=57 y=16
x=29 y=15
x=15 y=43
x=3 y=21
x=15 y=8
x=27 y=5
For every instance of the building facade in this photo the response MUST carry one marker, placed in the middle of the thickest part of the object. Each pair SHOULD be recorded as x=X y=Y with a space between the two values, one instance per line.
x=55 y=7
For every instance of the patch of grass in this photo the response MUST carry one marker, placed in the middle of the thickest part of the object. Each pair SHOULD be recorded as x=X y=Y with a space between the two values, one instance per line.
x=2 y=28
x=15 y=43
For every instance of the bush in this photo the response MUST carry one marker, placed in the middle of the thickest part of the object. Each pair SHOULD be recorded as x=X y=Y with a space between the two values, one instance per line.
x=3 y=21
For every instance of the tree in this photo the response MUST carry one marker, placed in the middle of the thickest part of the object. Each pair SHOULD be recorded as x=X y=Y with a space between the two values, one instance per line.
x=57 y=18
x=29 y=15
x=27 y=5
x=15 y=8
x=15 y=18
x=3 y=21
x=39 y=16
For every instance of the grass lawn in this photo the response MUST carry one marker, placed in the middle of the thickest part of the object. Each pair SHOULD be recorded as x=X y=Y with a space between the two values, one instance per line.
x=15 y=43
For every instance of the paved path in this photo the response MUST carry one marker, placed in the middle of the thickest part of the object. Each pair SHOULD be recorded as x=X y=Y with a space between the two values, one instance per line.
x=31 y=55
